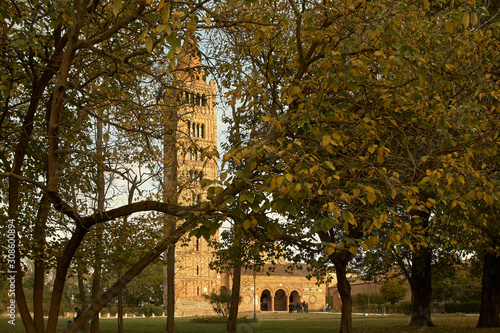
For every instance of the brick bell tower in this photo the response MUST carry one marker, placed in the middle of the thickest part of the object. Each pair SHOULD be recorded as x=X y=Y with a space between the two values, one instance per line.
x=197 y=133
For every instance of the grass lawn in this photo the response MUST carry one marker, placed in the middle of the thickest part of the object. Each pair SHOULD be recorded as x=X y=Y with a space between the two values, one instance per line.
x=287 y=323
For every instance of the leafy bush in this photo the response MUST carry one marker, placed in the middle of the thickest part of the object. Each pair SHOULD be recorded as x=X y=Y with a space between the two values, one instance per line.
x=149 y=309
x=459 y=284
x=401 y=307
x=462 y=307
x=364 y=299
x=393 y=290
x=221 y=302
x=372 y=308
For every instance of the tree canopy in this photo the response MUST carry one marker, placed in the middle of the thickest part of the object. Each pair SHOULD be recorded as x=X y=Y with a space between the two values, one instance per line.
x=351 y=116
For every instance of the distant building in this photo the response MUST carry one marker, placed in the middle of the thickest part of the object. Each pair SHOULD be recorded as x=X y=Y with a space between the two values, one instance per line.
x=197 y=133
x=276 y=289
x=194 y=278
x=359 y=286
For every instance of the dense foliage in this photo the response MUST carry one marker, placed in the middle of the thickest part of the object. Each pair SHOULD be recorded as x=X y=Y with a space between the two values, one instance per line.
x=355 y=124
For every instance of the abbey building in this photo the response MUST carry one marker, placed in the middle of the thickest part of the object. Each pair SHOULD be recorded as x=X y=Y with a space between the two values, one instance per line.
x=197 y=129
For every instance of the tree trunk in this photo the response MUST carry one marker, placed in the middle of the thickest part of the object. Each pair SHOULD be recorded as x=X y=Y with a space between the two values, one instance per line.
x=63 y=264
x=81 y=289
x=96 y=288
x=54 y=118
x=39 y=263
x=98 y=254
x=170 y=196
x=22 y=305
x=421 y=288
x=490 y=292
x=118 y=286
x=120 y=308
x=235 y=298
x=344 y=287
x=98 y=257
x=170 y=328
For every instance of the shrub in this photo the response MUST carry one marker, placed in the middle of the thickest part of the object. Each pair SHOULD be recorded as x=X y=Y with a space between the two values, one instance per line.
x=401 y=307
x=364 y=299
x=393 y=290
x=149 y=309
x=462 y=307
x=221 y=303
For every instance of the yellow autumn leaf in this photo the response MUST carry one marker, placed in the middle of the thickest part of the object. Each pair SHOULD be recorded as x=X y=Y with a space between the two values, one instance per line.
x=421 y=79
x=380 y=156
x=191 y=25
x=246 y=224
x=369 y=189
x=330 y=249
x=371 y=197
x=370 y=242
x=488 y=199
x=207 y=20
x=449 y=26
x=473 y=19
x=149 y=44
x=359 y=64
x=465 y=20
x=223 y=176
x=165 y=13
x=117 y=5
x=330 y=165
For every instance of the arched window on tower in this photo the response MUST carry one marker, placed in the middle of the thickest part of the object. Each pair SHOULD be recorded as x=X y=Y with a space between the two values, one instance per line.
x=203 y=100
x=197 y=270
x=192 y=154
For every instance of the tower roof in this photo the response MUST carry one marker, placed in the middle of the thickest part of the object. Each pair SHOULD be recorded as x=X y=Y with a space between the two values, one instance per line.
x=190 y=65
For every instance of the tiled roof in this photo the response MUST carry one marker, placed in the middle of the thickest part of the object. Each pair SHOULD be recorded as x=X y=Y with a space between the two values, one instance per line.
x=279 y=270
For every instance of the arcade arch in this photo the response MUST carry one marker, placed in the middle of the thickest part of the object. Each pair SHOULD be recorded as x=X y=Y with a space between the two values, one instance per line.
x=280 y=300
x=266 y=301
x=294 y=297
